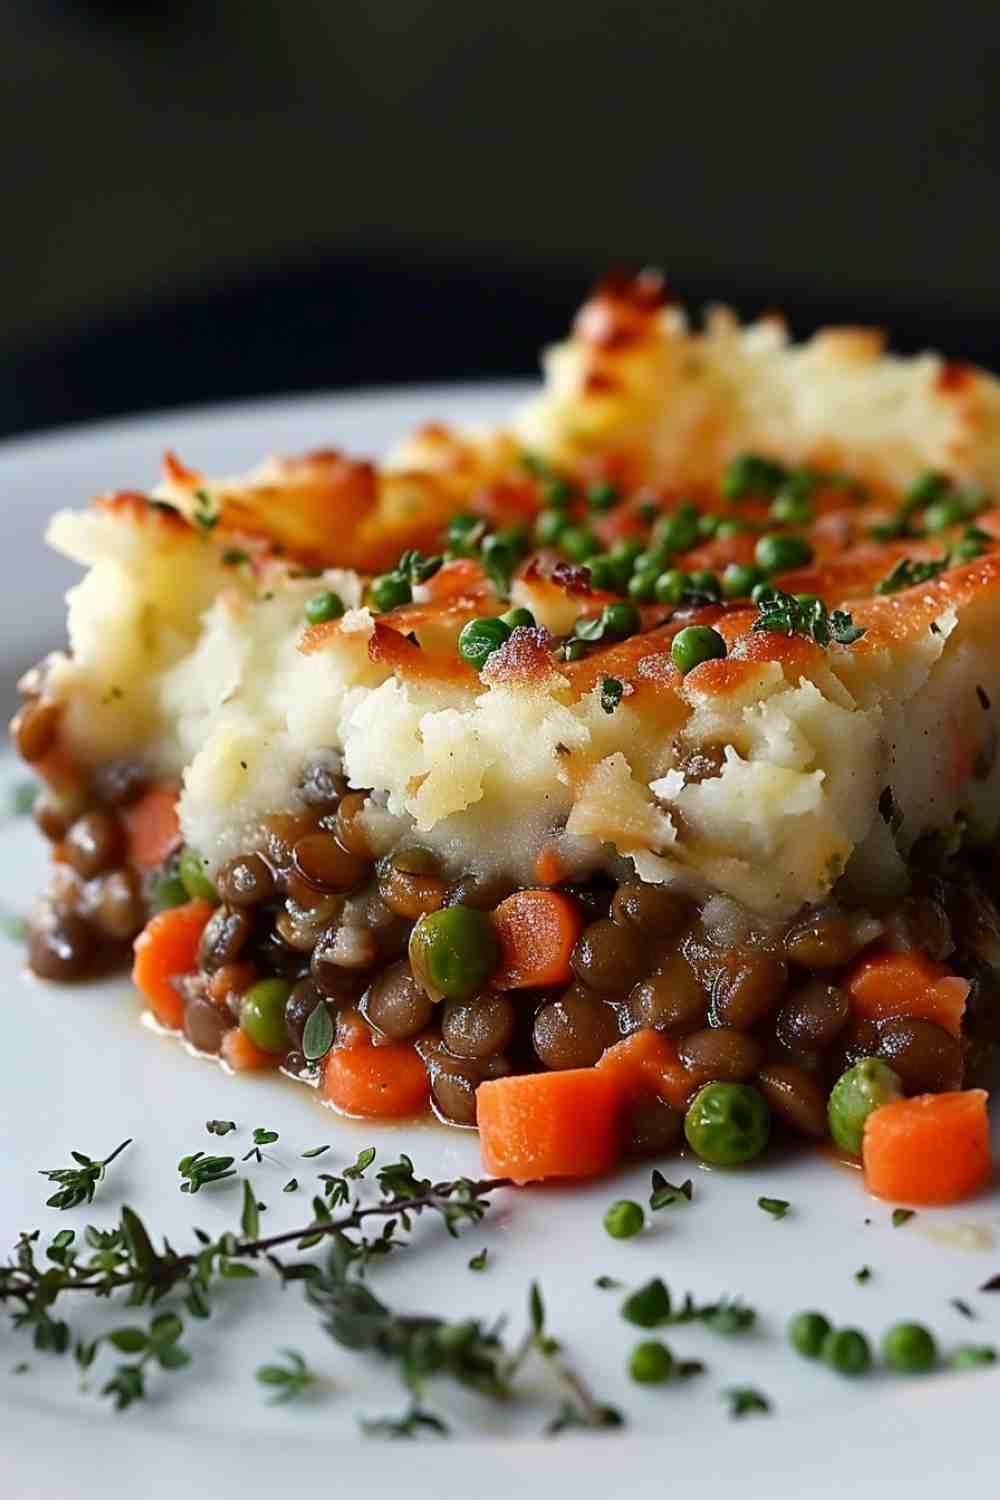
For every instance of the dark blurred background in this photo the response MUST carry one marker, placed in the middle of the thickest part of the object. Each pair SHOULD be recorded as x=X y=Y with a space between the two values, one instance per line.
x=214 y=198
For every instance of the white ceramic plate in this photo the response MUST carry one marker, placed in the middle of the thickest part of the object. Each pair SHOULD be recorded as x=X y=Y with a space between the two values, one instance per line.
x=78 y=1070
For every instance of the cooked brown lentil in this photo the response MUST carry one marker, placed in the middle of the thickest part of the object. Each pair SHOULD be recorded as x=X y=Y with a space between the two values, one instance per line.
x=721 y=1054
x=226 y=934
x=34 y=729
x=609 y=958
x=205 y=1024
x=323 y=862
x=795 y=1097
x=573 y=1031
x=350 y=829
x=62 y=945
x=94 y=843
x=478 y=1028
x=672 y=999
x=396 y=1005
x=651 y=1128
x=655 y=910
x=812 y=1017
x=926 y=1057
x=245 y=881
x=410 y=884
x=748 y=984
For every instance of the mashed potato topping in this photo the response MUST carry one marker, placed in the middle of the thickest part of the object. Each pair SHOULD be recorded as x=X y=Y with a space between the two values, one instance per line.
x=189 y=646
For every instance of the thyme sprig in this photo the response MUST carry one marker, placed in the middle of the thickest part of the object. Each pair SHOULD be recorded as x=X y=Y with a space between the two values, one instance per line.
x=79 y=1183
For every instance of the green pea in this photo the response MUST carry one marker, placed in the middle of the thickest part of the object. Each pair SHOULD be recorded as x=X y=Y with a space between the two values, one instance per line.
x=262 y=1014
x=191 y=872
x=751 y=474
x=168 y=891
x=579 y=543
x=605 y=573
x=779 y=553
x=909 y=1348
x=557 y=493
x=859 y=1091
x=708 y=525
x=652 y=559
x=695 y=644
x=603 y=496
x=807 y=1333
x=642 y=586
x=670 y=586
x=549 y=527
x=788 y=510
x=478 y=639
x=761 y=592
x=847 y=1351
x=463 y=534
x=501 y=554
x=678 y=532
x=624 y=1219
x=620 y=621
x=389 y=590
x=971 y=1356
x=453 y=952
x=739 y=580
x=704 y=581
x=512 y=618
x=727 y=1123
x=732 y=526
x=928 y=487
x=324 y=606
x=651 y=1362
x=944 y=514
x=625 y=551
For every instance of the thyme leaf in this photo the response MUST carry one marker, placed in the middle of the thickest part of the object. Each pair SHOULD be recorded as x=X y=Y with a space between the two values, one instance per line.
x=79 y=1183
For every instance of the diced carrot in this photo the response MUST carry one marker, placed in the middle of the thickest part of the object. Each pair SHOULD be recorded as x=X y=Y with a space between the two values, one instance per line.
x=167 y=947
x=648 y=1063
x=381 y=1083
x=152 y=826
x=558 y=1124
x=243 y=1055
x=907 y=984
x=537 y=932
x=934 y=1148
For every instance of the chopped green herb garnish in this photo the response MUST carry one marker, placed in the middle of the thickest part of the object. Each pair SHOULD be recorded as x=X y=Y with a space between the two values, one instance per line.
x=863 y=1275
x=234 y=556
x=220 y=1127
x=744 y=1401
x=607 y=1283
x=801 y=614
x=478 y=1262
x=664 y=1194
x=970 y=1356
x=612 y=689
x=908 y=574
x=314 y=1151
x=205 y=514
x=960 y=1305
x=317 y=1039
x=776 y=1207
x=198 y=1170
x=901 y=1216
x=262 y=1137
x=288 y=1381
x=291 y=1186
x=23 y=796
